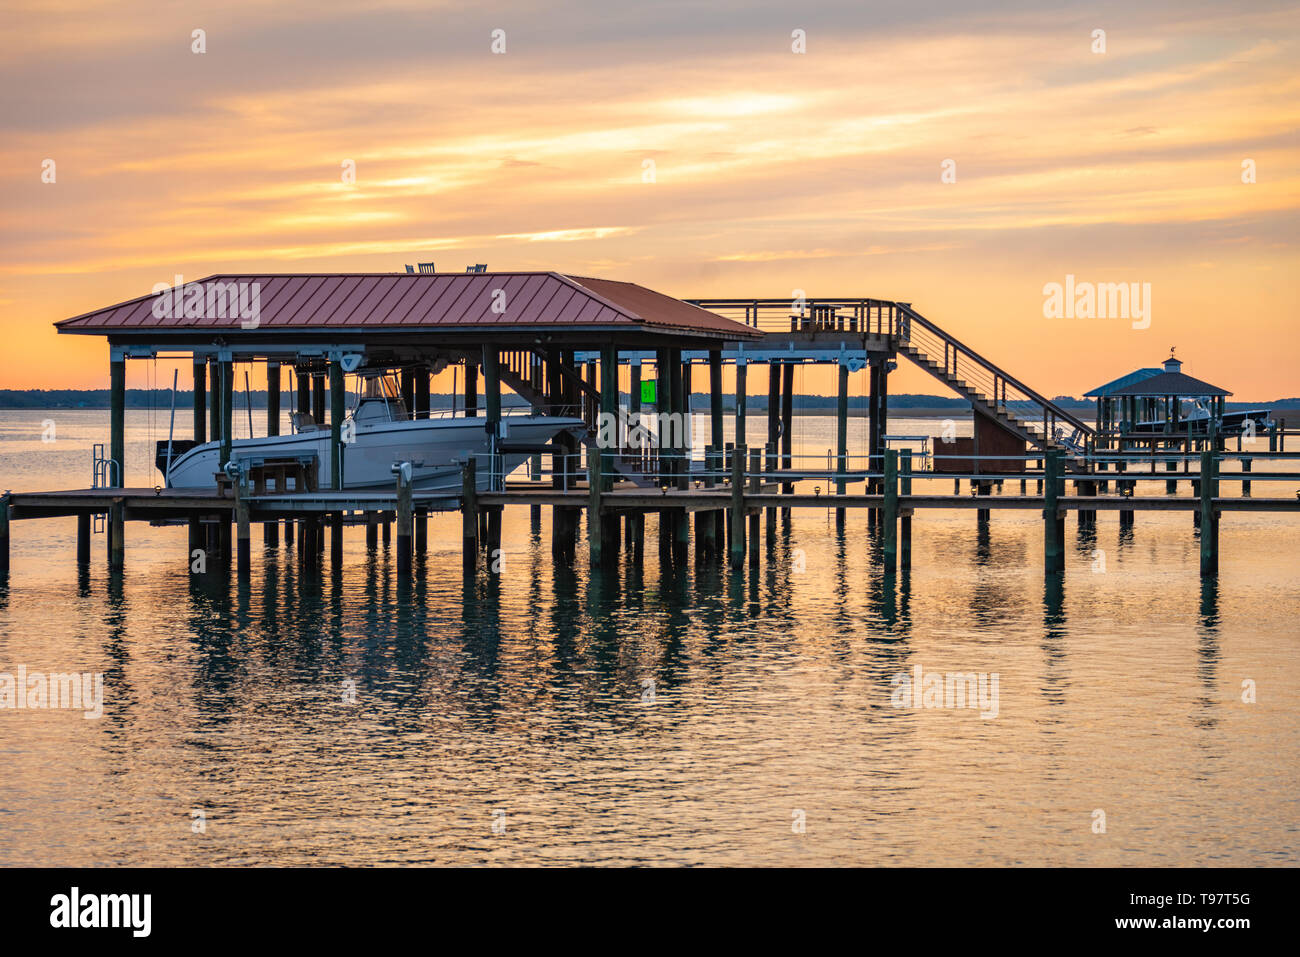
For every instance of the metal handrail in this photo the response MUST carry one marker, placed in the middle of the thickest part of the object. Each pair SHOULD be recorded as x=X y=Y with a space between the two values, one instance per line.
x=1000 y=379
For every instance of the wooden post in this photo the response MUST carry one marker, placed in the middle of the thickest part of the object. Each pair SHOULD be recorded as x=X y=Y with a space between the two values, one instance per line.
x=372 y=531
x=117 y=452
x=769 y=466
x=1245 y=483
x=421 y=529
x=741 y=397
x=403 y=522
x=787 y=425
x=890 y=510
x=609 y=408
x=83 y=538
x=271 y=529
x=594 y=481
x=706 y=529
x=200 y=436
x=336 y=425
x=336 y=541
x=200 y=399
x=681 y=449
x=905 y=511
x=4 y=536
x=227 y=410
x=715 y=398
x=421 y=393
x=738 y=506
x=1209 y=521
x=469 y=515
x=755 y=478
x=1053 y=530
x=243 y=556
x=406 y=382
x=214 y=400
x=841 y=438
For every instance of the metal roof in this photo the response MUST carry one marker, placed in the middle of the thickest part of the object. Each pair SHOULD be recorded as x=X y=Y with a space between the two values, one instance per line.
x=1171 y=383
x=1121 y=382
x=393 y=302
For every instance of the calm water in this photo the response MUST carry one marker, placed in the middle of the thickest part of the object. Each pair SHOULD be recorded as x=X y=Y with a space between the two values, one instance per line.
x=522 y=699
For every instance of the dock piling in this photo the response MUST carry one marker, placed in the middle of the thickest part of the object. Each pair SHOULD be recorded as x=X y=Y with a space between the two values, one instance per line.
x=738 y=506
x=1053 y=523
x=403 y=471
x=469 y=516
x=1209 y=518
x=891 y=510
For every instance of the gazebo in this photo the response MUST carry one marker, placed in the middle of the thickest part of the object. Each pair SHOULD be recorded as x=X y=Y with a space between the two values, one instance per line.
x=1158 y=404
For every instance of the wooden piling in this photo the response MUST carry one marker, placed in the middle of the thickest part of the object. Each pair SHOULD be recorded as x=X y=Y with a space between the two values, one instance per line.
x=243 y=550
x=738 y=506
x=214 y=399
x=890 y=511
x=200 y=399
x=741 y=402
x=715 y=398
x=469 y=516
x=787 y=427
x=755 y=480
x=83 y=538
x=905 y=512
x=594 y=536
x=4 y=533
x=271 y=529
x=1245 y=483
x=372 y=531
x=403 y=525
x=1209 y=519
x=1053 y=524
x=117 y=453
x=841 y=438
x=336 y=541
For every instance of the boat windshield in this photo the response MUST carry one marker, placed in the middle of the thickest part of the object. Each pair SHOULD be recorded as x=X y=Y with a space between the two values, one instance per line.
x=381 y=398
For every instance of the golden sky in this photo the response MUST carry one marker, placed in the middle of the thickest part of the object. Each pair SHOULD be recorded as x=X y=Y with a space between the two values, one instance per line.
x=773 y=170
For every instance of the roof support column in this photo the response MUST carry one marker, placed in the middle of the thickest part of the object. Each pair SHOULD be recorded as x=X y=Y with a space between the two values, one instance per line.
x=200 y=399
x=492 y=394
x=214 y=400
x=336 y=424
x=471 y=388
x=117 y=453
x=271 y=530
x=227 y=370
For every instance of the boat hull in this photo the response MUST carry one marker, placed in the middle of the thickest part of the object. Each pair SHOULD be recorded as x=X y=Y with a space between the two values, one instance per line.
x=436 y=448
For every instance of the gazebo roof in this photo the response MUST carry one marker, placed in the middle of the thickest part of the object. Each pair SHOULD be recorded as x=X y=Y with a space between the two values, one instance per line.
x=1171 y=383
x=1110 y=387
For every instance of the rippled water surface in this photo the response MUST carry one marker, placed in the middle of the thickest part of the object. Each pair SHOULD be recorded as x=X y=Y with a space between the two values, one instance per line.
x=525 y=699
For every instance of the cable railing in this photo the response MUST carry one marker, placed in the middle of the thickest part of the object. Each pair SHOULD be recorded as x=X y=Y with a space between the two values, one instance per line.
x=1004 y=393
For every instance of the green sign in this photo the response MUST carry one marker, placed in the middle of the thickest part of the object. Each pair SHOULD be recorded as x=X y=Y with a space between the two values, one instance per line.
x=648 y=392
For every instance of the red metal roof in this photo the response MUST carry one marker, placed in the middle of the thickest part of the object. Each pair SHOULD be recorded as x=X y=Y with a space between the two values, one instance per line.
x=440 y=301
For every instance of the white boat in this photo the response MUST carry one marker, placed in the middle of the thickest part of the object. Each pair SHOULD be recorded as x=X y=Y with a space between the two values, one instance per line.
x=378 y=434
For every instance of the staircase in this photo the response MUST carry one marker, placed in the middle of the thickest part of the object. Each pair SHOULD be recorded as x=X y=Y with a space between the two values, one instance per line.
x=1016 y=407
x=521 y=371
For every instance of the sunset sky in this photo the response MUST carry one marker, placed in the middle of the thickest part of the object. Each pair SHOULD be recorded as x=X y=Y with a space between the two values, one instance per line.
x=774 y=170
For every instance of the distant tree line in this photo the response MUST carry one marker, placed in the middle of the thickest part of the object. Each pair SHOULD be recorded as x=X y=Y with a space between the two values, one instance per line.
x=162 y=398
